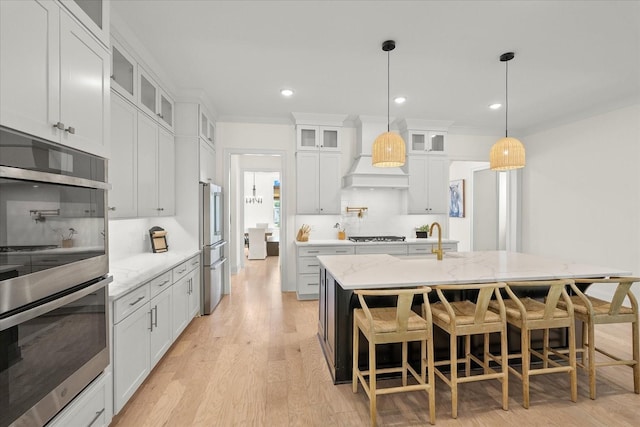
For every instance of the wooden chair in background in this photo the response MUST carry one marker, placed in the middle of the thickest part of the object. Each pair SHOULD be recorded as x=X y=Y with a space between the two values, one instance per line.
x=397 y=324
x=466 y=318
x=528 y=314
x=592 y=311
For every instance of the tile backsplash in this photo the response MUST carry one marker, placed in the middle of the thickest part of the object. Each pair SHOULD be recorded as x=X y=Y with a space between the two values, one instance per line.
x=384 y=216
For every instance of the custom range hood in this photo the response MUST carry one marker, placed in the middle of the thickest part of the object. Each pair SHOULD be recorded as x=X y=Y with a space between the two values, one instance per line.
x=362 y=173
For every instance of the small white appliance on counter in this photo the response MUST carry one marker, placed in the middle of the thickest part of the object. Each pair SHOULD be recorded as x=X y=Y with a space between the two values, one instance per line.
x=212 y=244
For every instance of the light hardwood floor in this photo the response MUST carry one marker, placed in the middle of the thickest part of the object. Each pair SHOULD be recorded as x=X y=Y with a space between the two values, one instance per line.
x=256 y=361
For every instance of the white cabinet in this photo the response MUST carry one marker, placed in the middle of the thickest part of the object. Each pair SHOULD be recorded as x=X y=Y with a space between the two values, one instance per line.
x=308 y=268
x=93 y=14
x=156 y=169
x=92 y=407
x=186 y=294
x=207 y=127
x=207 y=157
x=318 y=177
x=54 y=81
x=154 y=100
x=160 y=333
x=423 y=142
x=194 y=295
x=124 y=71
x=123 y=165
x=427 y=193
x=314 y=138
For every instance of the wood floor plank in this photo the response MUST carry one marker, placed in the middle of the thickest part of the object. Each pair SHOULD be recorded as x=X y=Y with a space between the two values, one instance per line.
x=256 y=361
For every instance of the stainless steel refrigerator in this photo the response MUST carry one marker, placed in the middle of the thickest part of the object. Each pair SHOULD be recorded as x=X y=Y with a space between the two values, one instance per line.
x=212 y=244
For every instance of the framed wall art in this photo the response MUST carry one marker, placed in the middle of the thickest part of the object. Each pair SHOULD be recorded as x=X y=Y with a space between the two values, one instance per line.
x=456 y=198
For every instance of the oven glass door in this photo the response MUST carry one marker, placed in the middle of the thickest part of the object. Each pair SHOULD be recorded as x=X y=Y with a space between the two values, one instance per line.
x=50 y=352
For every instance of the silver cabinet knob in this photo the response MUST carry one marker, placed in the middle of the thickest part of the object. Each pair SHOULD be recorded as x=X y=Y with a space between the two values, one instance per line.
x=112 y=208
x=59 y=125
x=71 y=130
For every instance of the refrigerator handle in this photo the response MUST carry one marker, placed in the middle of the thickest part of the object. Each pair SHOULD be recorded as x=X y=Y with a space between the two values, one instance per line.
x=218 y=264
x=219 y=244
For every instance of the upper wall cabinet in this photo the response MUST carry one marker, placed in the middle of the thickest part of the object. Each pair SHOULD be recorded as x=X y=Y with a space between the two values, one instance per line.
x=93 y=14
x=207 y=127
x=54 y=82
x=314 y=138
x=153 y=100
x=124 y=70
x=423 y=142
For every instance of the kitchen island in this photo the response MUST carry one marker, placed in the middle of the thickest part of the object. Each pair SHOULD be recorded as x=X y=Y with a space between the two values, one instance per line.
x=341 y=275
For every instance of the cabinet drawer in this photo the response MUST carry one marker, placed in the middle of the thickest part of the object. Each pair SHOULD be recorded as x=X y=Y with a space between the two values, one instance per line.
x=88 y=409
x=131 y=302
x=426 y=248
x=325 y=250
x=308 y=284
x=382 y=249
x=193 y=263
x=180 y=271
x=159 y=284
x=308 y=265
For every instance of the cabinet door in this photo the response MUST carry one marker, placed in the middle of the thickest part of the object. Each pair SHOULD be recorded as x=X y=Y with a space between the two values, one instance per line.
x=30 y=61
x=180 y=306
x=165 y=109
x=147 y=166
x=417 y=192
x=207 y=161
x=84 y=89
x=329 y=138
x=418 y=142
x=147 y=93
x=161 y=327
x=204 y=125
x=437 y=142
x=307 y=182
x=437 y=184
x=212 y=133
x=194 y=294
x=329 y=183
x=166 y=174
x=123 y=72
x=308 y=137
x=130 y=355
x=94 y=14
x=123 y=165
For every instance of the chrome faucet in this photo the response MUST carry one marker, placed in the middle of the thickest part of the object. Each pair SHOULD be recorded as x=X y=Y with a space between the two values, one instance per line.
x=438 y=251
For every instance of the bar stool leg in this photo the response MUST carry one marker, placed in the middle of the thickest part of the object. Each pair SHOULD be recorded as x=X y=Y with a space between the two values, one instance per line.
x=354 y=374
x=404 y=363
x=454 y=375
x=504 y=352
x=591 y=358
x=583 y=354
x=636 y=356
x=372 y=383
x=524 y=344
x=432 y=382
x=486 y=353
x=467 y=356
x=545 y=348
x=572 y=362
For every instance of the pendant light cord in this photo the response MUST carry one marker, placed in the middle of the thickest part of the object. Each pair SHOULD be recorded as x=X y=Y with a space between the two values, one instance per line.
x=506 y=102
x=388 y=89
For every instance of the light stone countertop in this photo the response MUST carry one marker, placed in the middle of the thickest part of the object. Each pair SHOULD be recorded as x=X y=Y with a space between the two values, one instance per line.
x=387 y=271
x=336 y=242
x=129 y=273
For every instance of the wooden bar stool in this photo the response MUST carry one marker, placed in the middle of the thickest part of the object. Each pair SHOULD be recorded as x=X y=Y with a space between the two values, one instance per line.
x=466 y=318
x=397 y=324
x=592 y=311
x=528 y=314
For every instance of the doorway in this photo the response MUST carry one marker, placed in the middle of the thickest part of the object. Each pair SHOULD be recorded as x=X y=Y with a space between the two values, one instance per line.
x=262 y=207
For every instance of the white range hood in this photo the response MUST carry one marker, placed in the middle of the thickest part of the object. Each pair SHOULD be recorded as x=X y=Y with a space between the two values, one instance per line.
x=362 y=173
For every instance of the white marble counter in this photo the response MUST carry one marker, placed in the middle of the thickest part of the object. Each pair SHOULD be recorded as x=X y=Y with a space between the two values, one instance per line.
x=336 y=242
x=387 y=271
x=131 y=272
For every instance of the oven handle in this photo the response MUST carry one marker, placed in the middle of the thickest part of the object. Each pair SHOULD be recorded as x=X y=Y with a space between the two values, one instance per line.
x=17 y=173
x=34 y=312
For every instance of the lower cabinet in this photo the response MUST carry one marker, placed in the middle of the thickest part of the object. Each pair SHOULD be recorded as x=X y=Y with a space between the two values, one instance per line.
x=92 y=408
x=147 y=321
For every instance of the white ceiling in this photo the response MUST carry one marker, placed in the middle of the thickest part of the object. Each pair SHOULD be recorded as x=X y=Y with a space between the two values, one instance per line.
x=573 y=58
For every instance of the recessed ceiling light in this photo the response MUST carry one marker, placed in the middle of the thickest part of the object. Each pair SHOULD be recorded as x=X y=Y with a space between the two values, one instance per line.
x=495 y=106
x=399 y=99
x=286 y=92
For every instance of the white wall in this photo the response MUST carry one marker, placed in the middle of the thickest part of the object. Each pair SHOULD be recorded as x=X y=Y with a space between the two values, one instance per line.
x=581 y=191
x=460 y=228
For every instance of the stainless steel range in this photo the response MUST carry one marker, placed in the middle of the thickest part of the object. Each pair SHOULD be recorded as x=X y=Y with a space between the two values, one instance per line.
x=377 y=238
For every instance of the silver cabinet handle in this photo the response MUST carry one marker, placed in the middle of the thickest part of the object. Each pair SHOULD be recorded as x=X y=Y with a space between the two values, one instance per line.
x=96 y=417
x=150 y=320
x=163 y=283
x=137 y=301
x=160 y=209
x=313 y=284
x=112 y=208
x=195 y=262
x=155 y=323
x=59 y=125
x=314 y=252
x=342 y=252
x=182 y=271
x=313 y=265
x=71 y=130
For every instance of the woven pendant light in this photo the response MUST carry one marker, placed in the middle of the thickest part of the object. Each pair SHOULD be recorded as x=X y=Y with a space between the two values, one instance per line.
x=507 y=153
x=388 y=149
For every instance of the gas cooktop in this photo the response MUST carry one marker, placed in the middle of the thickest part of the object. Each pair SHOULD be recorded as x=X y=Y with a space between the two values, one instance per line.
x=377 y=238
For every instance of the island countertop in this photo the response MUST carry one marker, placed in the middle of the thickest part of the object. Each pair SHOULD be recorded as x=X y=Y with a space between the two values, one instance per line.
x=387 y=271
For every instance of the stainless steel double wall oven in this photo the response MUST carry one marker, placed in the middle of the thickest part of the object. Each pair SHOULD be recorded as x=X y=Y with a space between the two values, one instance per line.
x=53 y=276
